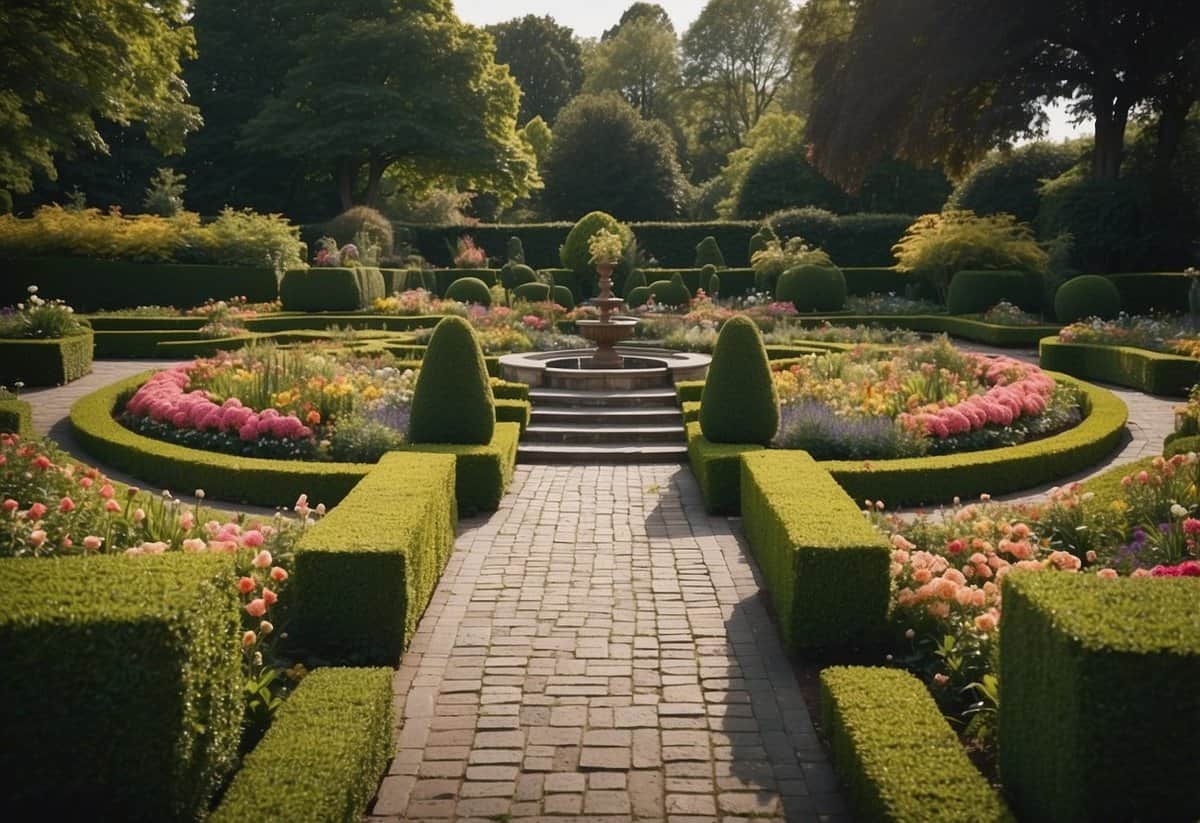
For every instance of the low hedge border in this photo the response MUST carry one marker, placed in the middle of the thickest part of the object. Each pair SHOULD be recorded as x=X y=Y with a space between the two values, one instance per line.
x=691 y=411
x=1074 y=649
x=106 y=322
x=896 y=755
x=717 y=466
x=1181 y=445
x=484 y=472
x=119 y=667
x=1148 y=371
x=324 y=754
x=509 y=390
x=966 y=328
x=45 y=362
x=1150 y=292
x=825 y=566
x=16 y=417
x=387 y=542
x=513 y=411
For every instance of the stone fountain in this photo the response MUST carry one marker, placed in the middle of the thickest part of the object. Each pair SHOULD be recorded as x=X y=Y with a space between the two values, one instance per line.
x=608 y=331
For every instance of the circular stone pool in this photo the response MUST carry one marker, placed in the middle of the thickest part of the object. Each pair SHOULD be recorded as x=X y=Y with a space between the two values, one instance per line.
x=643 y=368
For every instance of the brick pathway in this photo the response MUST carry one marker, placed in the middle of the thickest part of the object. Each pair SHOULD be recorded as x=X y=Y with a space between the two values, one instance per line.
x=598 y=649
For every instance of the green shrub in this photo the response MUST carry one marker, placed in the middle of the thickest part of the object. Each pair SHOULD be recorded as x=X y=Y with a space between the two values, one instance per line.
x=453 y=402
x=574 y=254
x=708 y=253
x=1152 y=292
x=708 y=276
x=514 y=251
x=513 y=411
x=1077 y=655
x=895 y=754
x=1181 y=445
x=564 y=297
x=387 y=542
x=532 y=292
x=328 y=744
x=1141 y=369
x=483 y=472
x=128 y=668
x=636 y=280
x=739 y=404
x=1009 y=181
x=637 y=296
x=445 y=278
x=360 y=221
x=717 y=466
x=861 y=281
x=515 y=275
x=469 y=290
x=45 y=362
x=974 y=292
x=759 y=241
x=850 y=239
x=1089 y=295
x=825 y=566
x=16 y=416
x=671 y=292
x=322 y=288
x=813 y=288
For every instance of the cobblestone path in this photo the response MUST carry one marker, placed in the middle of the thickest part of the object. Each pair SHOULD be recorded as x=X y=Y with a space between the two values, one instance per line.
x=598 y=649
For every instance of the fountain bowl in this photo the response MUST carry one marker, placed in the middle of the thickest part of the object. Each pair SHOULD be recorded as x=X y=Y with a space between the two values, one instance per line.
x=641 y=367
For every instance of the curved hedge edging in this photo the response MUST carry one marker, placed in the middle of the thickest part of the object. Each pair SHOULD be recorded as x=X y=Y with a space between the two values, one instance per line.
x=322 y=758
x=45 y=362
x=1181 y=445
x=1148 y=371
x=222 y=476
x=896 y=755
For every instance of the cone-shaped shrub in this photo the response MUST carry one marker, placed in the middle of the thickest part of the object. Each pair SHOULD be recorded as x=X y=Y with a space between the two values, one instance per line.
x=813 y=288
x=673 y=292
x=574 y=253
x=469 y=290
x=760 y=239
x=633 y=281
x=532 y=292
x=708 y=253
x=453 y=400
x=709 y=280
x=739 y=404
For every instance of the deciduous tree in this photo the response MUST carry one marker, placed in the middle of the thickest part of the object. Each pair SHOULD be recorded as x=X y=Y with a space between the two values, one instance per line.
x=545 y=59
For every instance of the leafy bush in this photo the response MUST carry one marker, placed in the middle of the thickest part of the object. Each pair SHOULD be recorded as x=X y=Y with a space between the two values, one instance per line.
x=330 y=289
x=937 y=246
x=453 y=400
x=850 y=239
x=1089 y=295
x=575 y=253
x=469 y=290
x=708 y=253
x=786 y=179
x=164 y=196
x=760 y=240
x=1010 y=181
x=813 y=288
x=739 y=404
x=710 y=281
x=972 y=292
x=564 y=297
x=362 y=440
x=635 y=280
x=363 y=221
x=671 y=292
x=241 y=237
x=39 y=319
x=532 y=292
x=779 y=256
x=637 y=296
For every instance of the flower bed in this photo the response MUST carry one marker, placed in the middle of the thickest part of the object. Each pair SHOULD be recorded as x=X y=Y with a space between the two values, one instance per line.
x=42 y=343
x=1149 y=371
x=1160 y=334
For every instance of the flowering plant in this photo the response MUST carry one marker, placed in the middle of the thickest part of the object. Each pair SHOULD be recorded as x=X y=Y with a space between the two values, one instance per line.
x=40 y=319
x=1005 y=313
x=605 y=247
x=469 y=256
x=1153 y=333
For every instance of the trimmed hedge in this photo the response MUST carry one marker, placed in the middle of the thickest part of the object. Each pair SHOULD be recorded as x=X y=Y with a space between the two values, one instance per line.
x=850 y=239
x=1148 y=371
x=825 y=566
x=974 y=292
x=513 y=411
x=16 y=417
x=140 y=343
x=1081 y=736
x=484 y=472
x=1089 y=295
x=105 y=322
x=1181 y=445
x=91 y=285
x=445 y=278
x=469 y=290
x=324 y=754
x=45 y=362
x=366 y=571
x=896 y=755
x=864 y=280
x=1152 y=292
x=717 y=466
x=671 y=292
x=812 y=288
x=123 y=693
x=322 y=288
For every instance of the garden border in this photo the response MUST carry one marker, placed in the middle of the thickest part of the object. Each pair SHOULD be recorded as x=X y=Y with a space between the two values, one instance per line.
x=1148 y=371
x=51 y=362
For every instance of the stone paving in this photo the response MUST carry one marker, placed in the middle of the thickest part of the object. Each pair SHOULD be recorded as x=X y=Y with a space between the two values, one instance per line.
x=598 y=649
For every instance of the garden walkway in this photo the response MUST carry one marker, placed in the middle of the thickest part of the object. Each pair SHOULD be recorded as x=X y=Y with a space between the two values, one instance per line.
x=599 y=647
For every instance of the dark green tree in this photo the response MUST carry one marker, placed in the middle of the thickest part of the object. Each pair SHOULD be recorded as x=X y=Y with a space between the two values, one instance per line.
x=1009 y=180
x=641 y=63
x=544 y=58
x=652 y=12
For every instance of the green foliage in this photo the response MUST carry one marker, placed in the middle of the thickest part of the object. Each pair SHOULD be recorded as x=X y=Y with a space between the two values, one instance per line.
x=760 y=240
x=640 y=61
x=45 y=362
x=362 y=221
x=544 y=58
x=633 y=281
x=564 y=297
x=671 y=292
x=164 y=196
x=241 y=237
x=717 y=466
x=780 y=256
x=325 y=288
x=174 y=718
x=1009 y=181
x=637 y=296
x=360 y=440
x=896 y=754
x=850 y=239
x=469 y=290
x=1181 y=445
x=515 y=275
x=937 y=246
x=16 y=416
x=539 y=137
x=483 y=472
x=825 y=566
x=605 y=156
x=329 y=744
x=974 y=292
x=532 y=292
x=65 y=68
x=709 y=280
x=514 y=252
x=708 y=253
x=1089 y=295
x=786 y=180
x=1141 y=369
x=575 y=253
x=388 y=542
x=739 y=404
x=453 y=400
x=1073 y=648
x=813 y=288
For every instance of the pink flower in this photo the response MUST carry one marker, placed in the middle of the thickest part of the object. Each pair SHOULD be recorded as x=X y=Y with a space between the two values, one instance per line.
x=187 y=520
x=1191 y=526
x=194 y=544
x=37 y=537
x=269 y=596
x=92 y=542
x=279 y=574
x=37 y=511
x=10 y=505
x=985 y=622
x=106 y=491
x=256 y=607
x=252 y=539
x=1107 y=574
x=248 y=639
x=941 y=679
x=246 y=585
x=112 y=506
x=262 y=560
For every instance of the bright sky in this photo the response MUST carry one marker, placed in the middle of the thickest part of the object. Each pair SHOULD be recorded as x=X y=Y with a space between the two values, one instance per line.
x=589 y=18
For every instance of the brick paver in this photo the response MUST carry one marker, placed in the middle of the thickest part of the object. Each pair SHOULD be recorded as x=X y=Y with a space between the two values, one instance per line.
x=598 y=649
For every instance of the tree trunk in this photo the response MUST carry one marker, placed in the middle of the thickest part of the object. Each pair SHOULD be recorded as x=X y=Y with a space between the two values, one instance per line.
x=375 y=169
x=1112 y=114
x=347 y=174
x=1171 y=123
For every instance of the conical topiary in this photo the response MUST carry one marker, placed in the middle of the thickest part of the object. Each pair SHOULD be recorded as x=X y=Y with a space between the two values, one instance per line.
x=453 y=401
x=708 y=253
x=515 y=250
x=633 y=281
x=709 y=281
x=739 y=404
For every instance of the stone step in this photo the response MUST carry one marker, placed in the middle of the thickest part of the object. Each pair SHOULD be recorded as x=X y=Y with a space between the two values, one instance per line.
x=605 y=453
x=608 y=415
x=571 y=398
x=587 y=433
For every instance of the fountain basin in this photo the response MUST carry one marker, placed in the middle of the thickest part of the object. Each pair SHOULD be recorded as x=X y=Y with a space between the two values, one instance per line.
x=641 y=368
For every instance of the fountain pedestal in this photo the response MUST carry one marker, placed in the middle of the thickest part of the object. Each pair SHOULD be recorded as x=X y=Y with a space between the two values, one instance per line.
x=608 y=331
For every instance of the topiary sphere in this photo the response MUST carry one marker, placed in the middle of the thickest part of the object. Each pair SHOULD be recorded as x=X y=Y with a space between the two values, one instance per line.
x=532 y=292
x=673 y=292
x=516 y=274
x=564 y=297
x=813 y=288
x=453 y=401
x=633 y=281
x=709 y=253
x=1089 y=295
x=637 y=296
x=469 y=290
x=574 y=252
x=739 y=404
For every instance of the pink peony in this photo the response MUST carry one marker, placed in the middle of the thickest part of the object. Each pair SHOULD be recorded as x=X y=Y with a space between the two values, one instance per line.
x=262 y=560
x=279 y=574
x=92 y=542
x=256 y=607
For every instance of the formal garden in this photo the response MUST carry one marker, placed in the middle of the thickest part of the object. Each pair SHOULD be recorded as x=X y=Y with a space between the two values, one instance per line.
x=424 y=471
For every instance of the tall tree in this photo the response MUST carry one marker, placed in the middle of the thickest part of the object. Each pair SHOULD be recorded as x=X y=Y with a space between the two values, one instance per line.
x=545 y=59
x=737 y=54
x=640 y=62
x=934 y=81
x=640 y=11
x=382 y=83
x=68 y=65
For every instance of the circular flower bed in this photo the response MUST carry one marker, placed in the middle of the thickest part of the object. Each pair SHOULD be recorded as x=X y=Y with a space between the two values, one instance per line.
x=926 y=399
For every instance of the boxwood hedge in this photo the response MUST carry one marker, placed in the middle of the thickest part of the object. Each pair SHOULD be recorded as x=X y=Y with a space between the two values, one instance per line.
x=894 y=753
x=1141 y=369
x=717 y=466
x=45 y=362
x=322 y=288
x=16 y=416
x=322 y=758
x=484 y=472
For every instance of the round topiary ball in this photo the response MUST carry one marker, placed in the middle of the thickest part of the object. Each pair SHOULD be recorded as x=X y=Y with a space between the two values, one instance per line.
x=739 y=404
x=574 y=253
x=516 y=274
x=673 y=292
x=636 y=280
x=532 y=292
x=637 y=296
x=564 y=297
x=1089 y=295
x=469 y=290
x=813 y=288
x=453 y=401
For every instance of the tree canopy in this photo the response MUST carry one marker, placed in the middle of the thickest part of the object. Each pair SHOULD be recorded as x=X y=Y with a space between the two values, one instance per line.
x=640 y=62
x=544 y=58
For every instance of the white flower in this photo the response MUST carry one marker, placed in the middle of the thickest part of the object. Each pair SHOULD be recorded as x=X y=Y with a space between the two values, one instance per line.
x=1178 y=511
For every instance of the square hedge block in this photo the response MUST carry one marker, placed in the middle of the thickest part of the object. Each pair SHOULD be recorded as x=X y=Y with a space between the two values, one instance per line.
x=45 y=362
